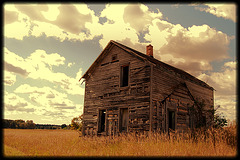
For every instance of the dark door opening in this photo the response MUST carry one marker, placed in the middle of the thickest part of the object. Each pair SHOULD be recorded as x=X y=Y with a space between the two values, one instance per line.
x=124 y=75
x=123 y=119
x=171 y=120
x=102 y=123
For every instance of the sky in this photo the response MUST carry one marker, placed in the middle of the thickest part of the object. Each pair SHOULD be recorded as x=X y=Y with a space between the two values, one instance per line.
x=48 y=47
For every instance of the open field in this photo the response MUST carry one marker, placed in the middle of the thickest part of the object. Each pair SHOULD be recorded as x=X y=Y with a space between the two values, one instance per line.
x=27 y=142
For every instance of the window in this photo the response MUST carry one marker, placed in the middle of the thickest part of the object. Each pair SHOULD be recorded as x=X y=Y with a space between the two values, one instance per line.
x=102 y=117
x=124 y=75
x=114 y=57
x=123 y=119
x=171 y=120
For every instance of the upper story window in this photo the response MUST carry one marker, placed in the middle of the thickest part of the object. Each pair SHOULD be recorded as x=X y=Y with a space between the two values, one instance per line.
x=114 y=57
x=124 y=76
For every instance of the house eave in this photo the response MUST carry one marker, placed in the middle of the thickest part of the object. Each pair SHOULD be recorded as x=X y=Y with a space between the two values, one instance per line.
x=91 y=68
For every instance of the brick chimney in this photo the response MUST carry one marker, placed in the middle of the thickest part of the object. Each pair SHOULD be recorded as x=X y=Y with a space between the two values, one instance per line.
x=149 y=50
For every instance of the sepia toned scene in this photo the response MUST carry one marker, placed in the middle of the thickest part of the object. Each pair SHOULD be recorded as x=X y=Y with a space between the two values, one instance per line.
x=119 y=80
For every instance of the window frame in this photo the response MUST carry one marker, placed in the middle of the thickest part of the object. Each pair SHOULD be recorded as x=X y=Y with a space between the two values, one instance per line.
x=120 y=119
x=121 y=75
x=114 y=57
x=99 y=121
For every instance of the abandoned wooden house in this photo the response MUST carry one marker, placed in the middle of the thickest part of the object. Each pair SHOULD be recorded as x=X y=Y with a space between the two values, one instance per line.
x=127 y=91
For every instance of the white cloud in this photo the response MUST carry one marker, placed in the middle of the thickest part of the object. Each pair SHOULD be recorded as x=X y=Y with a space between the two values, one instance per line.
x=9 y=78
x=193 y=48
x=227 y=10
x=52 y=20
x=79 y=74
x=10 y=16
x=228 y=104
x=47 y=103
x=70 y=64
x=52 y=12
x=139 y=17
x=39 y=66
x=13 y=102
x=127 y=20
x=22 y=30
x=224 y=83
x=37 y=61
x=196 y=42
x=37 y=20
x=115 y=24
x=19 y=24
x=231 y=64
x=15 y=64
x=76 y=23
x=158 y=33
x=45 y=96
x=40 y=59
x=51 y=30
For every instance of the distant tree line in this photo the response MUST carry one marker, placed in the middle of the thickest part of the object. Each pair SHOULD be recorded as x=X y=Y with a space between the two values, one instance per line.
x=29 y=124
x=48 y=126
x=19 y=124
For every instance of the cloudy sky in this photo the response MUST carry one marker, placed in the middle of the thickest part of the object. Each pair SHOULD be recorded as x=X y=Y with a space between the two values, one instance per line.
x=48 y=47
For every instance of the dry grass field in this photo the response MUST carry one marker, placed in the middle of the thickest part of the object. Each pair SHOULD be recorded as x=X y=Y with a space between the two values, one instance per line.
x=26 y=142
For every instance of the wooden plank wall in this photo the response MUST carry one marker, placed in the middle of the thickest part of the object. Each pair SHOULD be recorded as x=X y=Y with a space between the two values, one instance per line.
x=103 y=91
x=178 y=101
x=200 y=93
x=164 y=82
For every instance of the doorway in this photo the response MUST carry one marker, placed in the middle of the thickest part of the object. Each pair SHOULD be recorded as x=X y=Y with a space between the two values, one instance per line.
x=171 y=120
x=123 y=119
x=102 y=120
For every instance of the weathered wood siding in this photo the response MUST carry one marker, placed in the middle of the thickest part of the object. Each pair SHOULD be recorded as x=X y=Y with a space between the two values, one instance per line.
x=154 y=92
x=200 y=93
x=164 y=83
x=103 y=91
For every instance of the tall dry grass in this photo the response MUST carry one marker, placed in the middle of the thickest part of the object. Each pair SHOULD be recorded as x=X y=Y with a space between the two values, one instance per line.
x=221 y=142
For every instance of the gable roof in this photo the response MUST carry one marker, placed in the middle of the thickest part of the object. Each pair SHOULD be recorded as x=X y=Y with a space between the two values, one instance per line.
x=144 y=57
x=175 y=88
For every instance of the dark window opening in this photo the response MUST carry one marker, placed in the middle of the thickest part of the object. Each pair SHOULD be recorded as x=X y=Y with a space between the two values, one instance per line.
x=102 y=117
x=123 y=119
x=124 y=75
x=202 y=121
x=171 y=120
x=114 y=57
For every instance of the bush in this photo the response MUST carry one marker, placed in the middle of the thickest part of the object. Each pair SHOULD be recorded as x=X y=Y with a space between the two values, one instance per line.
x=76 y=123
x=219 y=121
